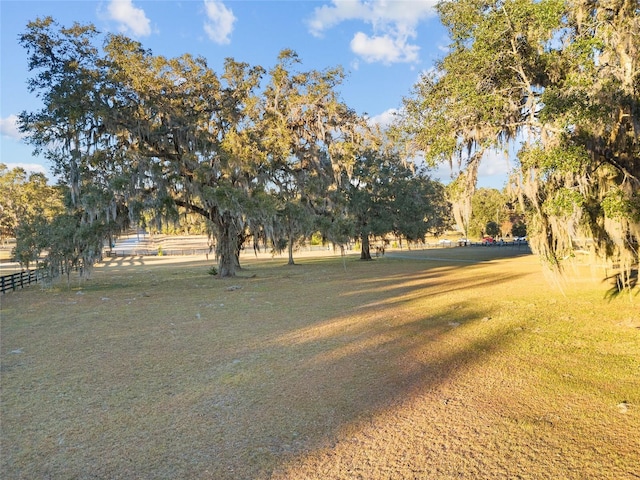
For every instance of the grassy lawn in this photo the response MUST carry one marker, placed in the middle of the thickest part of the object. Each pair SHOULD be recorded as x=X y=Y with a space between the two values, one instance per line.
x=444 y=363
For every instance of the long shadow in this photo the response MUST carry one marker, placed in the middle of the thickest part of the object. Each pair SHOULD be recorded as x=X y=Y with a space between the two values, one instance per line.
x=434 y=280
x=329 y=373
x=463 y=255
x=343 y=375
x=255 y=393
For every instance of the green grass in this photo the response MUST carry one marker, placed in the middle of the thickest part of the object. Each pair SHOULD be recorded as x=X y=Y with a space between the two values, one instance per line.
x=447 y=363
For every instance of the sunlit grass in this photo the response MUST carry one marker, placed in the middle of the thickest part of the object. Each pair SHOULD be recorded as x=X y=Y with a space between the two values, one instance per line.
x=449 y=363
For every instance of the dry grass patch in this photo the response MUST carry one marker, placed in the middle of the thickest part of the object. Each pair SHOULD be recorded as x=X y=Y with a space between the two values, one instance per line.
x=453 y=363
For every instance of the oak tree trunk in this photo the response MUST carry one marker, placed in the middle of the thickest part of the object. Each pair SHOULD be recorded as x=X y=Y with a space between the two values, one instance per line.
x=227 y=247
x=365 y=253
x=290 y=247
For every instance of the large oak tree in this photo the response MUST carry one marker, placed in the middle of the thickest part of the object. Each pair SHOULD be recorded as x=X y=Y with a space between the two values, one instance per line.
x=385 y=194
x=309 y=137
x=130 y=131
x=561 y=81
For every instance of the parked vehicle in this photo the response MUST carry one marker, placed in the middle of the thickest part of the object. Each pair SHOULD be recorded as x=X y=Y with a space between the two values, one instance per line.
x=463 y=242
x=487 y=240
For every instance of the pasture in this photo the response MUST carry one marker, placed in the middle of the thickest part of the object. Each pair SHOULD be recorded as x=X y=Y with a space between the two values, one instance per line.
x=445 y=363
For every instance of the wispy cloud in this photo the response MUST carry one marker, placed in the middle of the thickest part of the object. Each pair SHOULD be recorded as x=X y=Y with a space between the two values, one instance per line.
x=29 y=167
x=393 y=26
x=220 y=20
x=130 y=19
x=9 y=127
x=494 y=162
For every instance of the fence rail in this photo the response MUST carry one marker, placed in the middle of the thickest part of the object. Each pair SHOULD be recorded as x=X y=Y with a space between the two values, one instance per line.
x=20 y=280
x=154 y=252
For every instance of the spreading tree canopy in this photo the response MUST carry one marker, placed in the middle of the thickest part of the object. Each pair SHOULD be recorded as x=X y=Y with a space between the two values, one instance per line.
x=309 y=137
x=130 y=131
x=385 y=195
x=560 y=81
x=489 y=206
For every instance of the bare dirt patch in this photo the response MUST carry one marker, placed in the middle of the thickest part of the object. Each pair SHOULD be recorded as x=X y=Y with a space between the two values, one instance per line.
x=453 y=363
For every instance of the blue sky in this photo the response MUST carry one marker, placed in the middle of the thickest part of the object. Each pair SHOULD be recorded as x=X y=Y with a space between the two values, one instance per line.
x=383 y=46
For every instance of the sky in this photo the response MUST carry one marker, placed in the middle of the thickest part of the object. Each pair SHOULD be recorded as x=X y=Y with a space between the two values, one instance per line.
x=383 y=46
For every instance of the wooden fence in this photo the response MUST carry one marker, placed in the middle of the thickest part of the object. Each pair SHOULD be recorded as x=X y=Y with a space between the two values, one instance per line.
x=137 y=252
x=21 y=279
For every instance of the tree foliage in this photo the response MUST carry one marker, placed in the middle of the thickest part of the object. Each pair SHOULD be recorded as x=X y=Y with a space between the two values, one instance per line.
x=25 y=196
x=131 y=132
x=488 y=206
x=309 y=137
x=563 y=80
x=385 y=195
x=519 y=229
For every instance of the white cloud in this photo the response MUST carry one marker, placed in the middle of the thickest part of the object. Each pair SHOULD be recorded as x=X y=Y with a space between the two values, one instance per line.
x=9 y=127
x=384 y=119
x=393 y=23
x=220 y=21
x=131 y=19
x=29 y=167
x=493 y=171
x=326 y=17
x=494 y=163
x=385 y=49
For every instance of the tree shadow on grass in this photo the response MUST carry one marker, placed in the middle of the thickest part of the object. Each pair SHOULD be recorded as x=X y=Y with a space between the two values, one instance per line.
x=294 y=392
x=468 y=255
x=245 y=396
x=326 y=377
